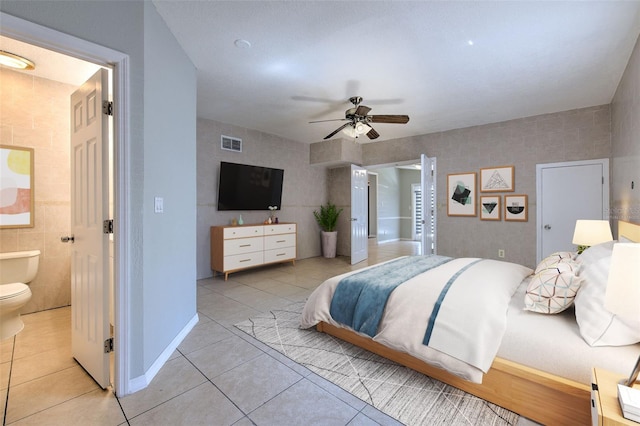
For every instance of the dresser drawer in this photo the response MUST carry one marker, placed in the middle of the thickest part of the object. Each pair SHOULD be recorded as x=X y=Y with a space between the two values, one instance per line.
x=240 y=261
x=283 y=228
x=280 y=255
x=243 y=245
x=278 y=241
x=243 y=232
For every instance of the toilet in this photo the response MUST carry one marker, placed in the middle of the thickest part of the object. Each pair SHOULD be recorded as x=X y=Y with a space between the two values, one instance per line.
x=16 y=270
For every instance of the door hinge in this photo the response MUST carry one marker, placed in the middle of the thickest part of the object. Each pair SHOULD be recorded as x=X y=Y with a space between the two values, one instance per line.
x=108 y=345
x=107 y=108
x=107 y=226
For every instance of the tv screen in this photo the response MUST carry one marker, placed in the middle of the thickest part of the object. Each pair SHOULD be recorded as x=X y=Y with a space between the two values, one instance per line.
x=245 y=187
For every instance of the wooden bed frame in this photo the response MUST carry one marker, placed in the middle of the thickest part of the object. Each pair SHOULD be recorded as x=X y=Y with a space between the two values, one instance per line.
x=534 y=394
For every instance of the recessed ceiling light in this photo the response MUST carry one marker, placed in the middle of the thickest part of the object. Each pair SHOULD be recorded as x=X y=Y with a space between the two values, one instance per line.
x=242 y=44
x=15 y=61
x=470 y=42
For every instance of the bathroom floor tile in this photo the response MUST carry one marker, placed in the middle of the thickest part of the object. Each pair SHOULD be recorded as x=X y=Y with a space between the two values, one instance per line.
x=98 y=407
x=36 y=395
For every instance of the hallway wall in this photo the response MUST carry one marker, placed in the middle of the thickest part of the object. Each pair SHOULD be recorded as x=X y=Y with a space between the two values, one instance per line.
x=35 y=114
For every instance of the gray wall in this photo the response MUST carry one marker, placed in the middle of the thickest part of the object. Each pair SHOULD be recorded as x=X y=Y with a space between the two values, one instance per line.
x=625 y=135
x=304 y=188
x=169 y=252
x=566 y=136
x=162 y=271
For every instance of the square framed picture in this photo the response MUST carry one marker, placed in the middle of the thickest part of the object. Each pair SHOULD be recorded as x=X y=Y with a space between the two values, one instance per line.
x=490 y=207
x=497 y=179
x=16 y=169
x=515 y=207
x=461 y=194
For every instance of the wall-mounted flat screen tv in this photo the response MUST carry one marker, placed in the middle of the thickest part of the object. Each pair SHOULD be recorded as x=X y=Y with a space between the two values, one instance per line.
x=245 y=187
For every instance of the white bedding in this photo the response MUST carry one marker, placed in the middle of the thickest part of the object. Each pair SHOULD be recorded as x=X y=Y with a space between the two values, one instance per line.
x=553 y=344
x=405 y=317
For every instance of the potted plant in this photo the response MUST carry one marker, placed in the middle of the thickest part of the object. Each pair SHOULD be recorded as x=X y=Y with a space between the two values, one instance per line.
x=327 y=219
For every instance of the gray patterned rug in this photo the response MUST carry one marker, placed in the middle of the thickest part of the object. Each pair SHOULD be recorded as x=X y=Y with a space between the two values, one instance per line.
x=410 y=397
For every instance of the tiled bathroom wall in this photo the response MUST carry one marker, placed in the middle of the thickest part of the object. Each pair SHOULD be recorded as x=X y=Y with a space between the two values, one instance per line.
x=34 y=113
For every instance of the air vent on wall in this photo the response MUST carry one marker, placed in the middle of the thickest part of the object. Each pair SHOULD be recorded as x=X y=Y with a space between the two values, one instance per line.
x=230 y=144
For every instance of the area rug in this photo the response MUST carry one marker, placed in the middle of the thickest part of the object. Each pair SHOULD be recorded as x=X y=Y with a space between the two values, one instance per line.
x=408 y=396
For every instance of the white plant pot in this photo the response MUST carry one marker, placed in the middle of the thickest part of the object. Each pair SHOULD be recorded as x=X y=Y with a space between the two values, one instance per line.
x=329 y=242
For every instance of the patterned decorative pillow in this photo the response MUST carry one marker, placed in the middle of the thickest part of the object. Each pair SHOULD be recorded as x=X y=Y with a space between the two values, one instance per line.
x=554 y=258
x=552 y=290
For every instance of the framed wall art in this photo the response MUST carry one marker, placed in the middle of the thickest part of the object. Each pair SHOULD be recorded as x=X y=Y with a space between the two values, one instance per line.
x=16 y=187
x=496 y=179
x=461 y=194
x=490 y=207
x=515 y=208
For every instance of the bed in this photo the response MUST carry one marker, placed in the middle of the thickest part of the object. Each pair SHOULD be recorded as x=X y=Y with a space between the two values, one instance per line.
x=541 y=367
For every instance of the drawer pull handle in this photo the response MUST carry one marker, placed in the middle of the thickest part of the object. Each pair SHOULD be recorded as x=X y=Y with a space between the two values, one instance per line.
x=281 y=241
x=245 y=245
x=280 y=254
x=245 y=260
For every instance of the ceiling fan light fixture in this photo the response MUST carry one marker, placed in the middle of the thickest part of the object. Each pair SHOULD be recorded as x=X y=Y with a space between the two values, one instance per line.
x=350 y=131
x=362 y=128
x=11 y=60
x=356 y=129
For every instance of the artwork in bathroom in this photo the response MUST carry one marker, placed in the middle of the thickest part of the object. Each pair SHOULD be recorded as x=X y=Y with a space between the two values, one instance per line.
x=16 y=187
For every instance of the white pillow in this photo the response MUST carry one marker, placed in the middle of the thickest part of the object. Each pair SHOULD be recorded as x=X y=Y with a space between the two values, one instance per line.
x=598 y=326
x=552 y=290
x=555 y=258
x=595 y=253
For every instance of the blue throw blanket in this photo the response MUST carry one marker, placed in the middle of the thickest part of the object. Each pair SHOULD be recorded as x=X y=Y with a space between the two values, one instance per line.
x=359 y=299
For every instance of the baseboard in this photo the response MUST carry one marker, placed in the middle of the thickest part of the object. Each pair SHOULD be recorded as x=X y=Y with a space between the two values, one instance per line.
x=141 y=382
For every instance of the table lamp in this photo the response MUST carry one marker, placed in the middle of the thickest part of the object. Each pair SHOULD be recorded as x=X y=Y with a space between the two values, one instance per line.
x=588 y=233
x=623 y=298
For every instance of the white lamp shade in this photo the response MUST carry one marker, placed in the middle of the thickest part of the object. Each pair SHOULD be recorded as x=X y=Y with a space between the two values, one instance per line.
x=350 y=131
x=623 y=286
x=591 y=232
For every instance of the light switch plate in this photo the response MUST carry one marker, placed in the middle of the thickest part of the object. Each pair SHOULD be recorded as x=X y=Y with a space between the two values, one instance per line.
x=158 y=205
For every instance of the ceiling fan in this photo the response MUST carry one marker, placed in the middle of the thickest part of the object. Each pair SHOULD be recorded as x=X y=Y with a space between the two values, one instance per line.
x=358 y=122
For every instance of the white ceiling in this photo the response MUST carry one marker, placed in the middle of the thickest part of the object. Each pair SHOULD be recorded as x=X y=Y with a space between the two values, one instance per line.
x=49 y=64
x=308 y=57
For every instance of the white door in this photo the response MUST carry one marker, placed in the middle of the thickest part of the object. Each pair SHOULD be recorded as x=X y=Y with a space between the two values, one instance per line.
x=89 y=208
x=428 y=181
x=567 y=192
x=359 y=215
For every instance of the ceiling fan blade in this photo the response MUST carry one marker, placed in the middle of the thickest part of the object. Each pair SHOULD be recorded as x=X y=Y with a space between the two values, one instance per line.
x=372 y=134
x=362 y=110
x=337 y=130
x=394 y=119
x=334 y=119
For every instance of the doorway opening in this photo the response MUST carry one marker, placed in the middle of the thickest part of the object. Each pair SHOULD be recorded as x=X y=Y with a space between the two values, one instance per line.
x=403 y=207
x=87 y=56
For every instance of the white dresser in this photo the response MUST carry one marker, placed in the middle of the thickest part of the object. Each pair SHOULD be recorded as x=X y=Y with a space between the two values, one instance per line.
x=234 y=248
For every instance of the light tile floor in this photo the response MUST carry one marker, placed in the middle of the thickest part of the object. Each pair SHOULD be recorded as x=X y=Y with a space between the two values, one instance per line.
x=217 y=376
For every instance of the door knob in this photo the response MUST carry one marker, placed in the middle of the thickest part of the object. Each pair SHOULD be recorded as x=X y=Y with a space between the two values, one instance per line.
x=70 y=239
x=547 y=226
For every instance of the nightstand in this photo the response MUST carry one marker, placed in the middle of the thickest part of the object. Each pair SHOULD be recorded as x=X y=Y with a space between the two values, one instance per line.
x=605 y=407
